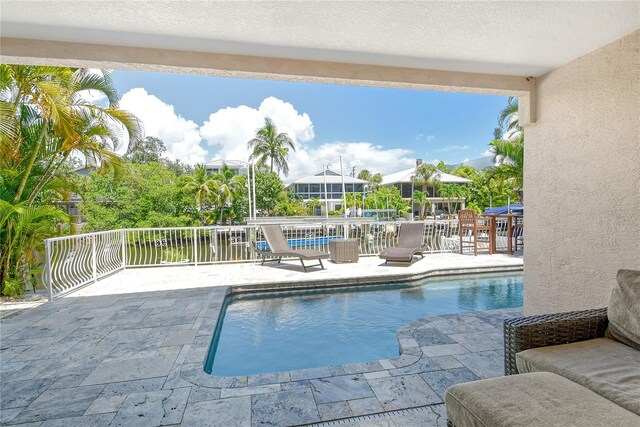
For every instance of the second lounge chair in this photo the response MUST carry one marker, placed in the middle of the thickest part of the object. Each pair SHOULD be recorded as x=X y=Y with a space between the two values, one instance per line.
x=409 y=244
x=279 y=247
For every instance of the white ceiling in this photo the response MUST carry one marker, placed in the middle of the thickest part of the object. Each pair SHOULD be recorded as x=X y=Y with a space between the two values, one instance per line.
x=514 y=38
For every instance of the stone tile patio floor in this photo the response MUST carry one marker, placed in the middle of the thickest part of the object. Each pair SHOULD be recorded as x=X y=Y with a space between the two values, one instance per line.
x=136 y=360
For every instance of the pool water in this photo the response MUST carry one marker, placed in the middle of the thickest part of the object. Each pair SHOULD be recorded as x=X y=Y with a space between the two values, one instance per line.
x=281 y=331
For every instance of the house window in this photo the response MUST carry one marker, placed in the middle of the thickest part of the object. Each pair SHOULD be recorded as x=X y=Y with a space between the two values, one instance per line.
x=406 y=190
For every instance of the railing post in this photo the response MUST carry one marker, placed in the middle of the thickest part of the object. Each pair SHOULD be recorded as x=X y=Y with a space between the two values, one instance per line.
x=123 y=240
x=93 y=257
x=47 y=268
x=195 y=246
x=216 y=256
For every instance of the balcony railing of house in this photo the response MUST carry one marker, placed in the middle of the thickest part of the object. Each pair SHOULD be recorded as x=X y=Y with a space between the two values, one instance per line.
x=75 y=261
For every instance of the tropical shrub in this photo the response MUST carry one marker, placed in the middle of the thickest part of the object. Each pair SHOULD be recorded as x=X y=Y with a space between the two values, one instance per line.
x=46 y=122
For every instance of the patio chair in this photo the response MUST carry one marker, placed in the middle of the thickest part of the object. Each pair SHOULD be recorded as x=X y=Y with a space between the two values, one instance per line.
x=518 y=229
x=279 y=247
x=470 y=225
x=409 y=244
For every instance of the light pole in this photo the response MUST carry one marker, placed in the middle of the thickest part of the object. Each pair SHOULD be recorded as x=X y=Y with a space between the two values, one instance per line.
x=413 y=180
x=344 y=193
x=253 y=176
x=326 y=198
x=251 y=187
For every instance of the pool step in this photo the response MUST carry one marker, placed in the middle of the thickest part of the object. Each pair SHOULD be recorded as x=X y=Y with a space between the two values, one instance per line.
x=427 y=410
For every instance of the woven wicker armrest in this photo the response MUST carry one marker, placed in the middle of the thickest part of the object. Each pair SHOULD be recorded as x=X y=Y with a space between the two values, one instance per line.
x=550 y=329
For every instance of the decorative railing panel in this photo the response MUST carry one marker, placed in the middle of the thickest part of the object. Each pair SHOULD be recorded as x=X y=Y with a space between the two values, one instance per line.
x=74 y=261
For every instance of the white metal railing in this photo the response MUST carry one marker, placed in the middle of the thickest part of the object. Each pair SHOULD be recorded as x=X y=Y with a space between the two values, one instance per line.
x=74 y=261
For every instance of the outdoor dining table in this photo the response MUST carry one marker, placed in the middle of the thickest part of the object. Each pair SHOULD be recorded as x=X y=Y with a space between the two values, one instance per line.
x=511 y=221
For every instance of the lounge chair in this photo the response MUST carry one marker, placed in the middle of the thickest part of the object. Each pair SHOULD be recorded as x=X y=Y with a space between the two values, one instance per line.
x=279 y=247
x=409 y=244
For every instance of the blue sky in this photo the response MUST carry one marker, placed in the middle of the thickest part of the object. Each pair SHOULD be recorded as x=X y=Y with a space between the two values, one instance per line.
x=402 y=124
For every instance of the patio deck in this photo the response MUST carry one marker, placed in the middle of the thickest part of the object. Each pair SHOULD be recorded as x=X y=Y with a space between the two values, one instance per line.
x=129 y=349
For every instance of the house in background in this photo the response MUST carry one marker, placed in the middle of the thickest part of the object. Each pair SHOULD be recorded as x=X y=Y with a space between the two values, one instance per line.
x=215 y=166
x=406 y=182
x=313 y=186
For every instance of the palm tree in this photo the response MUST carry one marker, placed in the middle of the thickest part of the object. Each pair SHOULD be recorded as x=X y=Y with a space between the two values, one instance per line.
x=228 y=186
x=365 y=175
x=509 y=156
x=427 y=175
x=201 y=185
x=509 y=150
x=23 y=229
x=269 y=145
x=508 y=120
x=44 y=120
x=421 y=198
x=376 y=180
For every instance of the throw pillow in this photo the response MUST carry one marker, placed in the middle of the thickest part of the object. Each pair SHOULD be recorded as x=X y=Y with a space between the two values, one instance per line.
x=624 y=309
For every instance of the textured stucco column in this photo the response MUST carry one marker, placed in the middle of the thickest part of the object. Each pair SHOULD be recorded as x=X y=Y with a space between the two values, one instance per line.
x=582 y=180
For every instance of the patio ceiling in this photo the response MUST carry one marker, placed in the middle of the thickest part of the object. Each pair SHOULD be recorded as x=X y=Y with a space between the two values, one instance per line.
x=504 y=38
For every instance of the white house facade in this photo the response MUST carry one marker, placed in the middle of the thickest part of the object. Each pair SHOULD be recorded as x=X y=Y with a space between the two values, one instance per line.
x=327 y=188
x=406 y=182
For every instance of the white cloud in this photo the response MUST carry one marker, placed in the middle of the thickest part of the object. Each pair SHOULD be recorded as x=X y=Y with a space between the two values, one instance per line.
x=181 y=136
x=431 y=138
x=362 y=155
x=229 y=129
x=93 y=96
x=488 y=152
x=452 y=148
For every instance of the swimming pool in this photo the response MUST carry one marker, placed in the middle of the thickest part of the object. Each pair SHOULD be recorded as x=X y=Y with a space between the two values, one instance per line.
x=281 y=331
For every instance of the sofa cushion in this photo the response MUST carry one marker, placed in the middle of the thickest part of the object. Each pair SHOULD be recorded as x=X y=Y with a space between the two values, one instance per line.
x=604 y=366
x=538 y=399
x=624 y=309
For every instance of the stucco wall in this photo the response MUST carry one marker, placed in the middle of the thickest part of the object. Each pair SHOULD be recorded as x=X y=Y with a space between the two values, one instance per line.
x=582 y=180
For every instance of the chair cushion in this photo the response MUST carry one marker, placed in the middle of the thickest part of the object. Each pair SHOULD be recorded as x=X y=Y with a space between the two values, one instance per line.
x=538 y=399
x=399 y=254
x=604 y=366
x=624 y=309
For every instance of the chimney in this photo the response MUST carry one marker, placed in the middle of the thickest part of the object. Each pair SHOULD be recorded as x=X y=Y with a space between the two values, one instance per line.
x=418 y=163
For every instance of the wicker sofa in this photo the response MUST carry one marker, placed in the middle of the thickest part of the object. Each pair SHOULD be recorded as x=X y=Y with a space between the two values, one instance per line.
x=570 y=373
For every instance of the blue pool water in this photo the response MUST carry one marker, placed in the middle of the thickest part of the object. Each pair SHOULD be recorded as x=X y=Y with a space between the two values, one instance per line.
x=302 y=242
x=281 y=331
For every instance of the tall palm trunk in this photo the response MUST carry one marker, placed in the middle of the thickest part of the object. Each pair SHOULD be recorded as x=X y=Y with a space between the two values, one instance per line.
x=47 y=176
x=32 y=160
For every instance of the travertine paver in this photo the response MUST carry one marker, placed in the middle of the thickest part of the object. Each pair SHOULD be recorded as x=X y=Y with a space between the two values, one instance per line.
x=135 y=358
x=284 y=408
x=59 y=403
x=333 y=411
x=235 y=411
x=405 y=391
x=369 y=405
x=340 y=389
